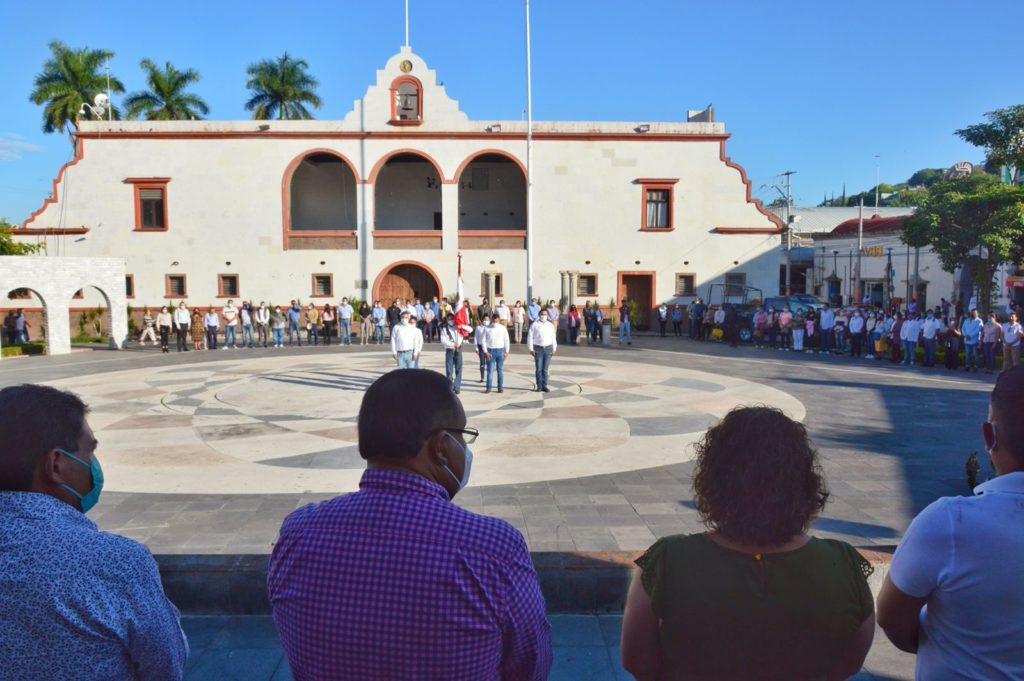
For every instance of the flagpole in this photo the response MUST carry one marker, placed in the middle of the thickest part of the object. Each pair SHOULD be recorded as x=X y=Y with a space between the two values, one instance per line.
x=529 y=164
x=407 y=23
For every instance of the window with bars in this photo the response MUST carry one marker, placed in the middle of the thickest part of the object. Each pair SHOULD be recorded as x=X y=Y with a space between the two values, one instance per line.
x=586 y=285
x=735 y=283
x=323 y=285
x=129 y=285
x=686 y=285
x=227 y=285
x=176 y=286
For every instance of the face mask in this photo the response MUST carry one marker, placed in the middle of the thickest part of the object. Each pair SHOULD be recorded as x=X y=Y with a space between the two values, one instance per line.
x=93 y=495
x=543 y=317
x=465 y=471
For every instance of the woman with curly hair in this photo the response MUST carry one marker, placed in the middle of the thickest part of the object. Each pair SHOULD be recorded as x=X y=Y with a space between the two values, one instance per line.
x=754 y=597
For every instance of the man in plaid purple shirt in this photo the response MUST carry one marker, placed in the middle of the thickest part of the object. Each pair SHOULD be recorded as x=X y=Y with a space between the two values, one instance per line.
x=396 y=582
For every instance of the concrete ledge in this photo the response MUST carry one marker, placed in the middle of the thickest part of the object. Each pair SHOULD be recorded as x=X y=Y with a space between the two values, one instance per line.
x=570 y=581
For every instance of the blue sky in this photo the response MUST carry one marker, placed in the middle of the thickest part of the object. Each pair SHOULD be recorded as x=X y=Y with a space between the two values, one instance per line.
x=819 y=88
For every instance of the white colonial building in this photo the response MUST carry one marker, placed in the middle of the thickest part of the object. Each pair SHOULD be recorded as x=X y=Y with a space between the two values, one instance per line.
x=378 y=204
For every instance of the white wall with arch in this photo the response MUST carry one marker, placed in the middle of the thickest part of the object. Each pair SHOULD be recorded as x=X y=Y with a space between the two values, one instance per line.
x=55 y=280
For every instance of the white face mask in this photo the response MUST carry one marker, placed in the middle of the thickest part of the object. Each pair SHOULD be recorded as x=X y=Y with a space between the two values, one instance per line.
x=543 y=317
x=468 y=453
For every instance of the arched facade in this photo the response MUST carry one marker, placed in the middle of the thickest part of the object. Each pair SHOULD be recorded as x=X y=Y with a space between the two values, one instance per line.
x=55 y=281
x=321 y=193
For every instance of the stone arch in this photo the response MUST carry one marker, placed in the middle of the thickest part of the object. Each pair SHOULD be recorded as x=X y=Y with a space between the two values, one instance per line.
x=13 y=304
x=492 y=191
x=407 y=192
x=321 y=171
x=56 y=279
x=109 y=324
x=422 y=282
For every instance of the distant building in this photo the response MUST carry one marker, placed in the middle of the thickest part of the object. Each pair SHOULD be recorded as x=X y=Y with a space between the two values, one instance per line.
x=377 y=205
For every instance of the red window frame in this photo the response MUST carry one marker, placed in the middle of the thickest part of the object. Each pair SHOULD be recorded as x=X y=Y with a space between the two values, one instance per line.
x=658 y=184
x=419 y=101
x=139 y=183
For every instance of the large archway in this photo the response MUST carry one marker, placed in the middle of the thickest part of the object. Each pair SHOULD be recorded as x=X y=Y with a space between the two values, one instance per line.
x=406 y=280
x=407 y=194
x=26 y=311
x=322 y=194
x=492 y=193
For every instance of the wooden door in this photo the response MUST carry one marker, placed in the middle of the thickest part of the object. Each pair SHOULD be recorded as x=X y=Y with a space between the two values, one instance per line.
x=407 y=282
x=639 y=287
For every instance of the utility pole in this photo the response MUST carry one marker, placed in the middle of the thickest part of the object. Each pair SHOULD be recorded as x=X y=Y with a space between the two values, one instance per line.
x=789 y=231
x=857 y=295
x=917 y=272
x=529 y=164
x=877 y=181
x=888 y=279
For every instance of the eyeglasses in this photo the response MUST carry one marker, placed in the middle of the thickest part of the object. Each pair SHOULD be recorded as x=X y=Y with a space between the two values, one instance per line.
x=468 y=434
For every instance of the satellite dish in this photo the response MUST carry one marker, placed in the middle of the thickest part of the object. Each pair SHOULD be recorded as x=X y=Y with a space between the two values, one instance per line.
x=101 y=100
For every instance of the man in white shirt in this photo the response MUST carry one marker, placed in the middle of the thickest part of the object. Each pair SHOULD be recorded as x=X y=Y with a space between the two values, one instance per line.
x=262 y=324
x=406 y=343
x=345 y=322
x=480 y=341
x=496 y=347
x=1012 y=333
x=954 y=593
x=856 y=333
x=452 y=340
x=230 y=315
x=909 y=333
x=542 y=343
x=930 y=329
x=182 y=321
x=504 y=314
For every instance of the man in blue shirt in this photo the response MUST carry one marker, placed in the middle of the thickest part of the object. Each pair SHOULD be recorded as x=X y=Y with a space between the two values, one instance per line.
x=345 y=322
x=294 y=314
x=532 y=311
x=971 y=330
x=74 y=602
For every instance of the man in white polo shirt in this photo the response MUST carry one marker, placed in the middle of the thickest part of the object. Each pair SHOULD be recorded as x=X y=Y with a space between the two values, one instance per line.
x=1012 y=333
x=406 y=343
x=542 y=343
x=955 y=592
x=496 y=347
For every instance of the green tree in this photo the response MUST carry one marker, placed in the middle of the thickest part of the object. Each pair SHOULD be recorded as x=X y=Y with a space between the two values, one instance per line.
x=8 y=246
x=167 y=98
x=71 y=78
x=281 y=88
x=974 y=222
x=1002 y=137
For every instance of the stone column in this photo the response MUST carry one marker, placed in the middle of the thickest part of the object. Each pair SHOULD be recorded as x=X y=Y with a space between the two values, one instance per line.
x=489 y=286
x=450 y=218
x=564 y=297
x=573 y=284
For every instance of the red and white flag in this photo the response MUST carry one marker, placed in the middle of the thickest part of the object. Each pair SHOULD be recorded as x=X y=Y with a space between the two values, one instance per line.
x=461 y=310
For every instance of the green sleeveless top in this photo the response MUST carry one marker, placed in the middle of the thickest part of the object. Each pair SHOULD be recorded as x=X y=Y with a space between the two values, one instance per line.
x=730 y=615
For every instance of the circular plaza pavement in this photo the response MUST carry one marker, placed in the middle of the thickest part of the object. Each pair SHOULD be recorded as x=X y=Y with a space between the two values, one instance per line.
x=287 y=423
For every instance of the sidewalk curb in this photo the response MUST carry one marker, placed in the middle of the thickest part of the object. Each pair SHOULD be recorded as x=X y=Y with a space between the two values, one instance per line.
x=579 y=582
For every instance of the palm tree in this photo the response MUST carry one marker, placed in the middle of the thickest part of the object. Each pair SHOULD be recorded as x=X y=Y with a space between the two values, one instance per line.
x=166 y=99
x=281 y=88
x=71 y=78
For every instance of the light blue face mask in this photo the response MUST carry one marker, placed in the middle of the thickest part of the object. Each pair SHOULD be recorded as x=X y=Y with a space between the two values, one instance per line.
x=93 y=495
x=465 y=471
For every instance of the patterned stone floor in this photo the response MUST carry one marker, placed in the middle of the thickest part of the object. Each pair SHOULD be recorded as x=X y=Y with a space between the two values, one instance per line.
x=287 y=424
x=207 y=452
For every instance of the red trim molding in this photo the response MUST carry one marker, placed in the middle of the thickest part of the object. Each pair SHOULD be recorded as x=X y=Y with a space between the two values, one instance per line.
x=746 y=230
x=372 y=178
x=656 y=185
x=49 y=231
x=476 y=154
x=656 y=180
x=407 y=134
x=79 y=155
x=405 y=233
x=148 y=183
x=395 y=120
x=491 y=232
x=743 y=176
